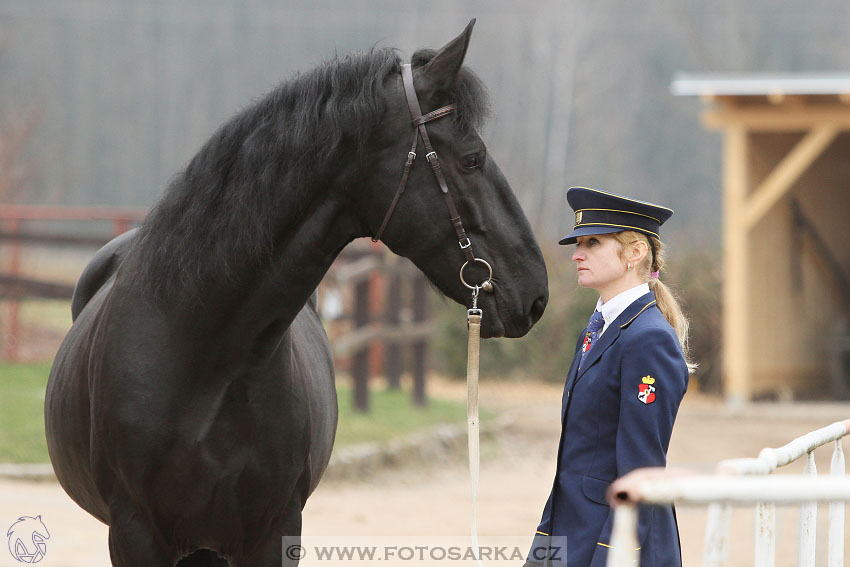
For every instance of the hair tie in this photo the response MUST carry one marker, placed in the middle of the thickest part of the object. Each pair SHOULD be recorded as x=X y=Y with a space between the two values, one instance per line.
x=655 y=275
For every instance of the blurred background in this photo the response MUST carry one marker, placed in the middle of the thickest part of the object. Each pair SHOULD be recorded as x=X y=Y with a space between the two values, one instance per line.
x=103 y=101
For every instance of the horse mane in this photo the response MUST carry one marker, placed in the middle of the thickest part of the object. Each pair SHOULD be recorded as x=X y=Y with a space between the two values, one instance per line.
x=222 y=209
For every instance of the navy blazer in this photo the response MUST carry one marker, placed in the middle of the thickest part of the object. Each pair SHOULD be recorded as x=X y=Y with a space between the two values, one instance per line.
x=617 y=415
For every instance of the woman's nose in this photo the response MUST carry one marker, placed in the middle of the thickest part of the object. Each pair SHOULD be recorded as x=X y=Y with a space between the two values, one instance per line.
x=577 y=255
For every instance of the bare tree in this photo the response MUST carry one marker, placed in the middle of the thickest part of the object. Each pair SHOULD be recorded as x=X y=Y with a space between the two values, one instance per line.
x=17 y=171
x=17 y=127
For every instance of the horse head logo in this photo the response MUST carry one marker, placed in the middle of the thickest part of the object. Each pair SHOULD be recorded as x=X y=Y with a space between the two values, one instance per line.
x=27 y=539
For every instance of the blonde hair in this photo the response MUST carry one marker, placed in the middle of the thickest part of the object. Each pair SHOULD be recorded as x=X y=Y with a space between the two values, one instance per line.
x=666 y=300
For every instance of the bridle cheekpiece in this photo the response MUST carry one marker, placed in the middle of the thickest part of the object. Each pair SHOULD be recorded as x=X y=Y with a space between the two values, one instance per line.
x=418 y=121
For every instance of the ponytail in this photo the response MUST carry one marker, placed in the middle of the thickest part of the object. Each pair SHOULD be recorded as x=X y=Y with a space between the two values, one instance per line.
x=666 y=300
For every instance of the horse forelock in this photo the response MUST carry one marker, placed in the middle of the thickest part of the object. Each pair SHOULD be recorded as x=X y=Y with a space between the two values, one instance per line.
x=469 y=95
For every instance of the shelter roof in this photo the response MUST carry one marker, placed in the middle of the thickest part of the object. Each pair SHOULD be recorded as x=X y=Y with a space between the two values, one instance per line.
x=760 y=84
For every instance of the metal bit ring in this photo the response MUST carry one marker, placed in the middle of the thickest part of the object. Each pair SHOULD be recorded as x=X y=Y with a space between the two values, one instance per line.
x=487 y=285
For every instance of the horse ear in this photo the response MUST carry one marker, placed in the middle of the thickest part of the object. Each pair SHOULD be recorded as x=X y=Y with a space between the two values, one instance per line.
x=441 y=72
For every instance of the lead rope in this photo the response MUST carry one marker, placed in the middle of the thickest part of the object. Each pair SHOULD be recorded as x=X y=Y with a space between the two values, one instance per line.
x=473 y=320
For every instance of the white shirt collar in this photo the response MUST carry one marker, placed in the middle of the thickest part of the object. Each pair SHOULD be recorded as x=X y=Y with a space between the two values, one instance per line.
x=612 y=308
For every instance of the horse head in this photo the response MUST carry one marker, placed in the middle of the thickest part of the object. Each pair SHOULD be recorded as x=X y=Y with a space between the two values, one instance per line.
x=420 y=227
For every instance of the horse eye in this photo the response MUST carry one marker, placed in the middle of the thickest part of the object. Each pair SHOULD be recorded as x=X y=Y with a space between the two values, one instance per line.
x=470 y=161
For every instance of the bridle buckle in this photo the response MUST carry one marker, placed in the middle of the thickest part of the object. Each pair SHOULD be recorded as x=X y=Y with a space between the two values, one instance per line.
x=465 y=246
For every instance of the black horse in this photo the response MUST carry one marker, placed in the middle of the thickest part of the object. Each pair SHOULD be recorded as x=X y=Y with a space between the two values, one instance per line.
x=192 y=405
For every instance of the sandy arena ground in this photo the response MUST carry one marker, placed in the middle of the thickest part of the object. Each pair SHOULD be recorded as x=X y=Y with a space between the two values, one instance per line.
x=516 y=475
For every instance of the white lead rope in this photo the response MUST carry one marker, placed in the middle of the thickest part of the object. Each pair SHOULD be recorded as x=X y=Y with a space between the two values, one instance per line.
x=473 y=320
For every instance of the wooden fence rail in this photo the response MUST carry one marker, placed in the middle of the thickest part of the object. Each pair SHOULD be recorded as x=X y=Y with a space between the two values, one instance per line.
x=386 y=313
x=16 y=287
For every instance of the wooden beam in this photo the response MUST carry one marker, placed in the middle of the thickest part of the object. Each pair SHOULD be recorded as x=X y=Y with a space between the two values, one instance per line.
x=17 y=288
x=776 y=98
x=770 y=118
x=53 y=239
x=55 y=212
x=362 y=337
x=789 y=170
x=736 y=368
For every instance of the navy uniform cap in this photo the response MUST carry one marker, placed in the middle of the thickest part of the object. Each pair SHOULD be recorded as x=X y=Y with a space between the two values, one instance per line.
x=600 y=212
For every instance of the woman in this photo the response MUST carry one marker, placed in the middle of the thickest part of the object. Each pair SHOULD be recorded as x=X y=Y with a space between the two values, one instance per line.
x=624 y=387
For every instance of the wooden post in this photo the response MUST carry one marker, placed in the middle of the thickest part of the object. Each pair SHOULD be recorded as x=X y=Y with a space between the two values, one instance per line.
x=360 y=360
x=393 y=359
x=120 y=226
x=377 y=291
x=736 y=336
x=420 y=348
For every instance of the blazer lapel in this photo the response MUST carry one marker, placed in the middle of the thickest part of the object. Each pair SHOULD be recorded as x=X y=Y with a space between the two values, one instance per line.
x=571 y=375
x=613 y=331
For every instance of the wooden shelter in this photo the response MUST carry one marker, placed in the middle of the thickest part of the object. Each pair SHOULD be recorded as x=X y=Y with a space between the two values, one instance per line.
x=786 y=235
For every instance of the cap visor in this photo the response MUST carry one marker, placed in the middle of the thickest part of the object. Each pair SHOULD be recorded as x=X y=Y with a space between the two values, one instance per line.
x=587 y=231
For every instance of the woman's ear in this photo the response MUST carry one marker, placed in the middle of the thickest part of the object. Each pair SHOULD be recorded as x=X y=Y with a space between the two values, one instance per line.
x=638 y=250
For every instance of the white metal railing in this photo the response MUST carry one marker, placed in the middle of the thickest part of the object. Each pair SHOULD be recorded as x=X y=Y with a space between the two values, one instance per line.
x=737 y=482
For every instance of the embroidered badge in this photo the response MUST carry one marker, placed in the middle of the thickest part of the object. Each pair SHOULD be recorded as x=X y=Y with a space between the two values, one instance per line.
x=578 y=217
x=646 y=391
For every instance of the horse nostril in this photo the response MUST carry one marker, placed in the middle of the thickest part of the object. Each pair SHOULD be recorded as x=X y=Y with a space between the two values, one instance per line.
x=537 y=308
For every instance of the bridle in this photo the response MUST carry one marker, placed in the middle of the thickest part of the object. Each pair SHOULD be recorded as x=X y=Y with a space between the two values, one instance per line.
x=419 y=120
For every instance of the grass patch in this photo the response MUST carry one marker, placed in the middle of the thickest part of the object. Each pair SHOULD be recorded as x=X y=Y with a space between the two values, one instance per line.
x=22 y=389
x=392 y=414
x=48 y=313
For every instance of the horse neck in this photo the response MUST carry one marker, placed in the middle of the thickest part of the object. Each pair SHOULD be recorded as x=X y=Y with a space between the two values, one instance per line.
x=257 y=301
x=302 y=256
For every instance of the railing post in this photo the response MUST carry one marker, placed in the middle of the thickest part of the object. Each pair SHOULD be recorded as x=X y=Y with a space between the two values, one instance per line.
x=836 y=512
x=765 y=534
x=716 y=552
x=624 y=542
x=808 y=521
